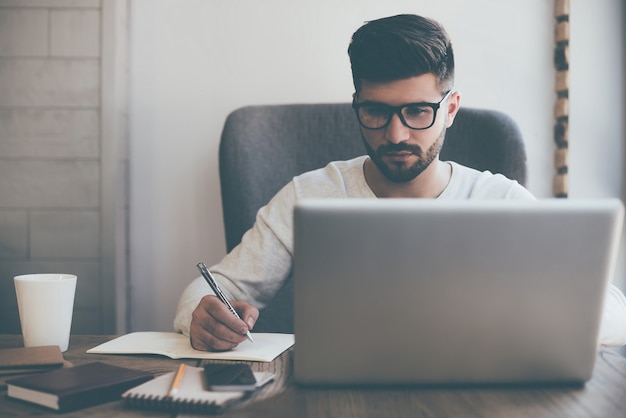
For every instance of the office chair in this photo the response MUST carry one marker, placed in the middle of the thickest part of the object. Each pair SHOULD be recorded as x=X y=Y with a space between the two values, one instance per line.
x=263 y=147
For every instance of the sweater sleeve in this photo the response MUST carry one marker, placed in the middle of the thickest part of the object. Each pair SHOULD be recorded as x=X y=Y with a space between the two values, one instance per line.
x=613 y=328
x=255 y=269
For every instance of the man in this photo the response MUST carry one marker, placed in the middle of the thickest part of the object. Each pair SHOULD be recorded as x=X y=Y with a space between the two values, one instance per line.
x=404 y=100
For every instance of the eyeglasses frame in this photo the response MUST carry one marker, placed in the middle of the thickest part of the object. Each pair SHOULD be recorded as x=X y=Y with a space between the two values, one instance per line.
x=398 y=111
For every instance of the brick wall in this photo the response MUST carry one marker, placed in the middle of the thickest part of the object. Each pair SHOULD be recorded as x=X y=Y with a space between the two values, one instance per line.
x=51 y=209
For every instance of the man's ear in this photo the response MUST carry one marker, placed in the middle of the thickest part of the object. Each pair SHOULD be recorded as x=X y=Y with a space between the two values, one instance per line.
x=454 y=102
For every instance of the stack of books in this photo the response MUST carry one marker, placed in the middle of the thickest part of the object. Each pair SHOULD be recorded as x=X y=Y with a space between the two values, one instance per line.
x=72 y=388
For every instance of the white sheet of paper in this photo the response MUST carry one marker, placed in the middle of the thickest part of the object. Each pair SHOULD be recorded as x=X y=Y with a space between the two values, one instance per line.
x=266 y=346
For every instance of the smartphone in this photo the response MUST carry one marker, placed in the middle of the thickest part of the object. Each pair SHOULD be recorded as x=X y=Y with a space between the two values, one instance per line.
x=229 y=377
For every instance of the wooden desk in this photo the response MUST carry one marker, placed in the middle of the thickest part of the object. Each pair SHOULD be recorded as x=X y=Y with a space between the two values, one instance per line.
x=603 y=396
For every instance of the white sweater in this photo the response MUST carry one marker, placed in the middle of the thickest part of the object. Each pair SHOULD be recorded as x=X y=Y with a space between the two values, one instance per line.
x=255 y=269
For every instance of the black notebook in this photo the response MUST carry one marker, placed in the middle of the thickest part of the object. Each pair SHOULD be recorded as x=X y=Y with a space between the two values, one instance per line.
x=76 y=387
x=193 y=395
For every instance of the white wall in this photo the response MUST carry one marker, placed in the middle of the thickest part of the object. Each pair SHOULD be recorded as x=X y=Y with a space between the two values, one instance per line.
x=597 y=87
x=192 y=62
x=597 y=128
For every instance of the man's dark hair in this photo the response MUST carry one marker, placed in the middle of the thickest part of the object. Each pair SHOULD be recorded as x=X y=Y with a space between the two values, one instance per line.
x=399 y=47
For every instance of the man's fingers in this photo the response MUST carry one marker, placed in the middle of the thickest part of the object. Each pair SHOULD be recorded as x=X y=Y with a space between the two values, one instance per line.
x=205 y=341
x=225 y=317
x=215 y=328
x=248 y=313
x=210 y=335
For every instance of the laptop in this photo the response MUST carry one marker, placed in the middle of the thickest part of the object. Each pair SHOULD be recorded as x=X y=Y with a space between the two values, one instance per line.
x=428 y=292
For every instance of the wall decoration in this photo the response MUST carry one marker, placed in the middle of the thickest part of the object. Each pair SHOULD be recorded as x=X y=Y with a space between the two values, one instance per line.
x=561 y=106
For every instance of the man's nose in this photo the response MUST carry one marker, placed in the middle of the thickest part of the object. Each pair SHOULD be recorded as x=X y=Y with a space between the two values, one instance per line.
x=396 y=131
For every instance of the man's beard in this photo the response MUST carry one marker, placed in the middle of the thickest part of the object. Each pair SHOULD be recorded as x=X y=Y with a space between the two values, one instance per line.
x=400 y=173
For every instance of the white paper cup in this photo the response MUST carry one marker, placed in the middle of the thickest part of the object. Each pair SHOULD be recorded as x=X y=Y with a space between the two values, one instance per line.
x=45 y=303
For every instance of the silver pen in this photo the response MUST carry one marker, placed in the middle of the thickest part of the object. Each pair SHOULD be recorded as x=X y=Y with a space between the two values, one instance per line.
x=218 y=292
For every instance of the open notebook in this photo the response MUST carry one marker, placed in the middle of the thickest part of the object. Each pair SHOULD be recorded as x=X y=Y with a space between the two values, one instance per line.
x=266 y=346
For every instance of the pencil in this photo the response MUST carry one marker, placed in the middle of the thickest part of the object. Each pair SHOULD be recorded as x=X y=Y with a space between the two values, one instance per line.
x=178 y=377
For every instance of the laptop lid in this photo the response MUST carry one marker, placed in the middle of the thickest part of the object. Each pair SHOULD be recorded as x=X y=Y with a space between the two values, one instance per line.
x=415 y=291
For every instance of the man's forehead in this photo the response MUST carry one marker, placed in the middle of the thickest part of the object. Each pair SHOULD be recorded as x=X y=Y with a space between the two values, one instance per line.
x=421 y=88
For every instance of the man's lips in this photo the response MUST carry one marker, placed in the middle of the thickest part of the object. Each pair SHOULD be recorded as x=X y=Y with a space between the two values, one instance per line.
x=398 y=155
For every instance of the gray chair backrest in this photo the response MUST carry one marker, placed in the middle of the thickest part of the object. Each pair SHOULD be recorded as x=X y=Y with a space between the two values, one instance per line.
x=263 y=147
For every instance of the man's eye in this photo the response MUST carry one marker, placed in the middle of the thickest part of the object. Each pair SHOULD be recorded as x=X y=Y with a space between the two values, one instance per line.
x=415 y=111
x=376 y=111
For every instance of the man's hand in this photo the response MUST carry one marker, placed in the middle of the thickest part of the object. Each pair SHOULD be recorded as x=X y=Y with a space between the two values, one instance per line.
x=215 y=328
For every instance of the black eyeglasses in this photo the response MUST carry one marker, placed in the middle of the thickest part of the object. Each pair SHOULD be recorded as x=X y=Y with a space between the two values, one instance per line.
x=418 y=116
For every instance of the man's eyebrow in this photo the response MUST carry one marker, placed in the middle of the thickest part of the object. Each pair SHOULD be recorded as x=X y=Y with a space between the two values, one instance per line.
x=373 y=102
